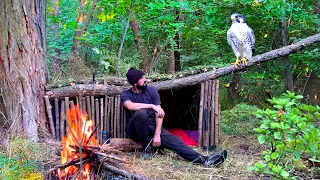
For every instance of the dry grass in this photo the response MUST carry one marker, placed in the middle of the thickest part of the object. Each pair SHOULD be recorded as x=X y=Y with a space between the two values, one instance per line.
x=242 y=152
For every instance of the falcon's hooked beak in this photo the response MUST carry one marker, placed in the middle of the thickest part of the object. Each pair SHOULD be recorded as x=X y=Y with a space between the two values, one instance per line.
x=233 y=17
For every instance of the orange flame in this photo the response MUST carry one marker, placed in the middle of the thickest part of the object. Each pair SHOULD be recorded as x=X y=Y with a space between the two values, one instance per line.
x=80 y=131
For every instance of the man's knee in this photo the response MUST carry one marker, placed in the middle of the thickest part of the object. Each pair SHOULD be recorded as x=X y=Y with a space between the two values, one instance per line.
x=141 y=114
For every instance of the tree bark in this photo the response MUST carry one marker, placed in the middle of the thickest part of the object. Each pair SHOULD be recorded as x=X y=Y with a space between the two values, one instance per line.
x=190 y=80
x=234 y=87
x=177 y=56
x=22 y=47
x=170 y=67
x=141 y=49
x=311 y=90
x=284 y=42
x=177 y=39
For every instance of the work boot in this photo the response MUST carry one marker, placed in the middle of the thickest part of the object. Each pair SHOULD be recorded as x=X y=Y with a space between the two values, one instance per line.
x=147 y=153
x=215 y=159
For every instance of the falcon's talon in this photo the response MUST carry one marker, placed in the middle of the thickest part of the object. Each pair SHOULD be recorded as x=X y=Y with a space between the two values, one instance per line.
x=244 y=61
x=237 y=63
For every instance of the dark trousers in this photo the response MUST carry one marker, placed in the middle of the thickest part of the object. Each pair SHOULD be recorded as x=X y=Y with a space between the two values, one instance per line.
x=141 y=128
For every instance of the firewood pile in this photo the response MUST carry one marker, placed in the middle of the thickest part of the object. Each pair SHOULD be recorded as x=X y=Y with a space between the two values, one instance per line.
x=105 y=156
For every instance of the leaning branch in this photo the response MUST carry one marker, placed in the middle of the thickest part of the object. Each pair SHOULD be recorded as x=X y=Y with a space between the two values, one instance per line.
x=101 y=90
x=216 y=73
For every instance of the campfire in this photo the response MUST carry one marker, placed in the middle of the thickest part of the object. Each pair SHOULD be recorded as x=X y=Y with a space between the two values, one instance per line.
x=76 y=153
x=81 y=153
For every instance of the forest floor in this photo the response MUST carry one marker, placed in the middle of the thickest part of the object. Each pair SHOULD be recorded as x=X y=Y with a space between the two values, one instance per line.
x=242 y=152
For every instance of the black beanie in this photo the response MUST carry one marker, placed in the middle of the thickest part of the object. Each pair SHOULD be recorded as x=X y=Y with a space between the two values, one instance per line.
x=133 y=75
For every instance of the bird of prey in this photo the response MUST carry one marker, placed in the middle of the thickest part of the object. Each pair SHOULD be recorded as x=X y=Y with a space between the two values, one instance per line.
x=241 y=39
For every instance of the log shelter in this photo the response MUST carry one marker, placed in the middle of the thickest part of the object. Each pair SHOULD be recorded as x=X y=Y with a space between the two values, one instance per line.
x=193 y=108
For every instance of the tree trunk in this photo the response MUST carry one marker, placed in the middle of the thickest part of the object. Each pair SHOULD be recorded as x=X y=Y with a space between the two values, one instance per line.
x=284 y=42
x=22 y=64
x=81 y=29
x=141 y=49
x=177 y=56
x=234 y=87
x=186 y=81
x=170 y=68
x=178 y=39
x=311 y=90
x=122 y=42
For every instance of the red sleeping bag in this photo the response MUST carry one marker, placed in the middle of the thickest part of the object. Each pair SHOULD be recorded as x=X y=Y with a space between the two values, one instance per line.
x=183 y=136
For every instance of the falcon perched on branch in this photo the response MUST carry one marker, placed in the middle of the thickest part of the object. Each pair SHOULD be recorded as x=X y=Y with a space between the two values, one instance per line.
x=241 y=39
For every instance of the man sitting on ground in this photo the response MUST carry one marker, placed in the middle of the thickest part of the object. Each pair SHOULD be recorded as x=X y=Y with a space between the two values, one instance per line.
x=144 y=122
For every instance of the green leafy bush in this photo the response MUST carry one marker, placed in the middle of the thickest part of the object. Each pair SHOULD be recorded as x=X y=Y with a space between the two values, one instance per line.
x=290 y=133
x=239 y=120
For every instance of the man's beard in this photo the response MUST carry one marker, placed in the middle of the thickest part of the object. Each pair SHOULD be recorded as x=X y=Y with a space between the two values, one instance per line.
x=143 y=87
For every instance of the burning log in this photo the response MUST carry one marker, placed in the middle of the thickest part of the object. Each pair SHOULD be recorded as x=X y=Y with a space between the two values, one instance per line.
x=81 y=154
x=95 y=156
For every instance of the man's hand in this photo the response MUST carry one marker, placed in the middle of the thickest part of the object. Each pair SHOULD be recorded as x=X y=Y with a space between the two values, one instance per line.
x=156 y=141
x=159 y=111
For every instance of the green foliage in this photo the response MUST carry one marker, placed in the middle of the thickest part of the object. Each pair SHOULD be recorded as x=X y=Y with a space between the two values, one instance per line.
x=20 y=161
x=290 y=132
x=201 y=26
x=239 y=120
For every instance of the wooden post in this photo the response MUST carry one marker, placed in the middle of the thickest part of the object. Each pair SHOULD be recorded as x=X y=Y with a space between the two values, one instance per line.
x=101 y=118
x=105 y=113
x=118 y=117
x=200 y=115
x=89 y=107
x=124 y=122
x=66 y=100
x=92 y=108
x=49 y=112
x=84 y=105
x=62 y=119
x=120 y=120
x=219 y=115
x=96 y=122
x=209 y=109
x=77 y=101
x=71 y=104
x=213 y=92
x=205 y=116
x=108 y=128
x=56 y=110
x=80 y=102
x=111 y=116
x=115 y=117
x=216 y=112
